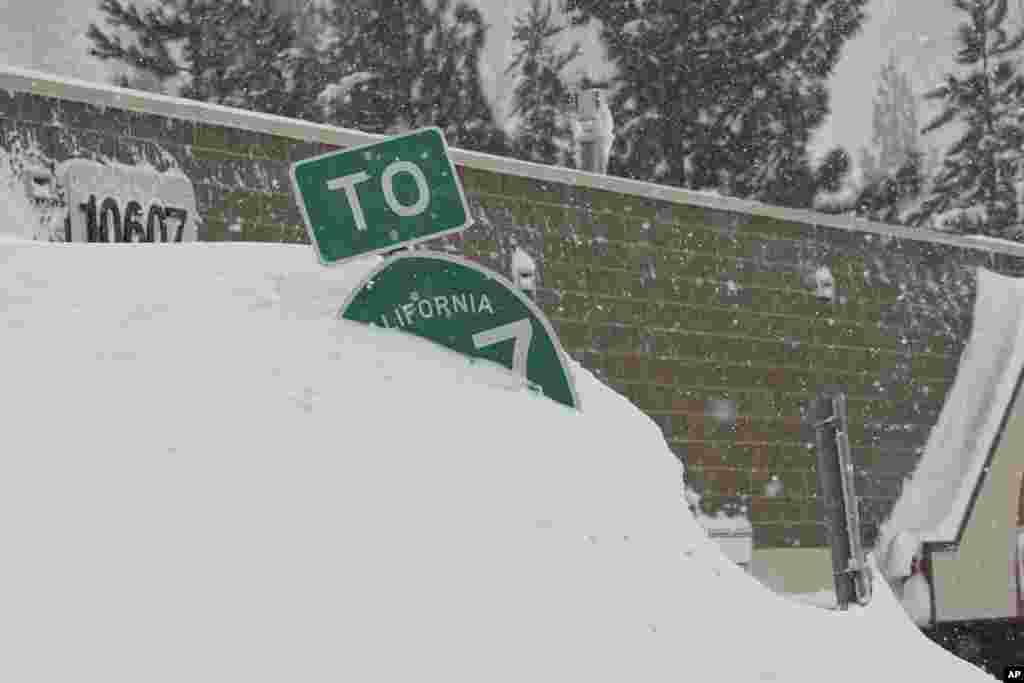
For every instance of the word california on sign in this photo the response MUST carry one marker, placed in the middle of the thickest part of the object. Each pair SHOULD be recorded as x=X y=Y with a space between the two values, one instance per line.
x=449 y=305
x=468 y=309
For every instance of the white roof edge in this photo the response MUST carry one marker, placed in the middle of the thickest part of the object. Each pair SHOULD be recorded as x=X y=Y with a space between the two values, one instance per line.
x=949 y=528
x=102 y=94
x=933 y=506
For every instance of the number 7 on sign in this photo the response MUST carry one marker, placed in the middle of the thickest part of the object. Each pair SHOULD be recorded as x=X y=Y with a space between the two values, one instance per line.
x=521 y=331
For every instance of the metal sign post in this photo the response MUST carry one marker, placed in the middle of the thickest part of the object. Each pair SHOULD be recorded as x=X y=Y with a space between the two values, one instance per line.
x=836 y=487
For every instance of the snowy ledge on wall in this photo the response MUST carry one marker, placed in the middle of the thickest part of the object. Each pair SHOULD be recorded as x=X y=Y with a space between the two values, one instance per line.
x=104 y=95
x=936 y=501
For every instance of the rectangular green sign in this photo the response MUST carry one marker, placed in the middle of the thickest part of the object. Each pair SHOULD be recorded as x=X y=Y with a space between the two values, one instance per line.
x=377 y=197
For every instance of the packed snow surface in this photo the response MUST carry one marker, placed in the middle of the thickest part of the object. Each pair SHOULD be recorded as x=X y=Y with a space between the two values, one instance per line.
x=207 y=477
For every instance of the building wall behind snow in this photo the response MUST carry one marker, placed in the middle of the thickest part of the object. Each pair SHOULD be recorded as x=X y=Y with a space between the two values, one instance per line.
x=705 y=317
x=239 y=176
x=708 y=320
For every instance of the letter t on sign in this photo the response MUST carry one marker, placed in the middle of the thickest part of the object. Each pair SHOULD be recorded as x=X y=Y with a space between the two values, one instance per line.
x=348 y=183
x=379 y=210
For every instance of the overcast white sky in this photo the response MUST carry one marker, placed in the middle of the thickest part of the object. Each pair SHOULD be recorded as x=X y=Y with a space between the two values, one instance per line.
x=50 y=35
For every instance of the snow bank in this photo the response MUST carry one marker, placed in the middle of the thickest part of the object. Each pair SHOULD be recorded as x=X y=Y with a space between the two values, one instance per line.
x=208 y=477
x=734 y=535
x=19 y=218
x=934 y=501
x=825 y=599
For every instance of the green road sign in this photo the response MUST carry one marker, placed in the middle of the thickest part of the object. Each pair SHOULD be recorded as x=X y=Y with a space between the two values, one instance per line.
x=378 y=196
x=468 y=309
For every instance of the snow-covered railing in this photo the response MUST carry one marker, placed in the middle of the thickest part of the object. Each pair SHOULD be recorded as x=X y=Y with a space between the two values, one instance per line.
x=99 y=94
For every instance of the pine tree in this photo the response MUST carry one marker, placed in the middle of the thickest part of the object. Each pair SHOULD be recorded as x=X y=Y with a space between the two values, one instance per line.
x=406 y=64
x=540 y=98
x=139 y=80
x=721 y=94
x=888 y=197
x=328 y=51
x=231 y=52
x=975 y=189
x=892 y=166
x=895 y=138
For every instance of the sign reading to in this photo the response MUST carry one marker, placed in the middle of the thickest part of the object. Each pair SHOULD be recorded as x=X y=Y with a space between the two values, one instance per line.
x=468 y=309
x=374 y=197
x=118 y=203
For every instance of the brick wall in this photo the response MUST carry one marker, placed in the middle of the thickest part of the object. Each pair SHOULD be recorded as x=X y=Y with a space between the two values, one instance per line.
x=707 y=320
x=699 y=309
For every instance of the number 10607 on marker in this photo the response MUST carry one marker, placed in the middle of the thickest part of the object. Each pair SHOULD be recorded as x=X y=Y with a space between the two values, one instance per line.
x=116 y=203
x=106 y=221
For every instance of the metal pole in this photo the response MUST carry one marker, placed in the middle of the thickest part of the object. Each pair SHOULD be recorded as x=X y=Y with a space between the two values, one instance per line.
x=588 y=104
x=855 y=565
x=1020 y=192
x=836 y=488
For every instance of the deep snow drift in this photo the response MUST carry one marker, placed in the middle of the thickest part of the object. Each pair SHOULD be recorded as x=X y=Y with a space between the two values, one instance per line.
x=207 y=477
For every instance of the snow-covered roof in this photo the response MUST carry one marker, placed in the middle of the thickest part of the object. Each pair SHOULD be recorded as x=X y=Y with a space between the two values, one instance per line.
x=936 y=501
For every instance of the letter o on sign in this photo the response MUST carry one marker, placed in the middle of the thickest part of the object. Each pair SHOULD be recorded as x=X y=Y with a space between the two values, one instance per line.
x=387 y=184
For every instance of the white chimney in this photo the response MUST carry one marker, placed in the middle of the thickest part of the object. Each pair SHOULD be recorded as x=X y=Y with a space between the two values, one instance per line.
x=595 y=130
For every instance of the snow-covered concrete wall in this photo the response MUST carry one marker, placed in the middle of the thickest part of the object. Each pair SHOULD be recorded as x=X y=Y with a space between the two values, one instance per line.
x=240 y=177
x=719 y=318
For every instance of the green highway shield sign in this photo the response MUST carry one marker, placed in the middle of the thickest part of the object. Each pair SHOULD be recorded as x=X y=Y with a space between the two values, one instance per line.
x=380 y=196
x=468 y=309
